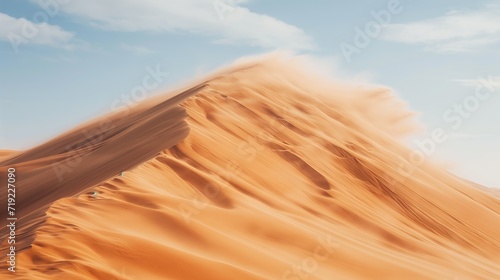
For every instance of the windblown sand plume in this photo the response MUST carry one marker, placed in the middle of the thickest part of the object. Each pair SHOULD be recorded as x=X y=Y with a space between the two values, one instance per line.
x=261 y=171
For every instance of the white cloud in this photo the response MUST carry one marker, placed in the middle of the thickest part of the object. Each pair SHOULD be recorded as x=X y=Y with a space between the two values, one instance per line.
x=466 y=135
x=225 y=21
x=489 y=82
x=456 y=31
x=19 y=31
x=136 y=48
x=465 y=45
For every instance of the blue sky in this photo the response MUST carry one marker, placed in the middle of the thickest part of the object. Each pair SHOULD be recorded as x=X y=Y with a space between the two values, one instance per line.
x=66 y=61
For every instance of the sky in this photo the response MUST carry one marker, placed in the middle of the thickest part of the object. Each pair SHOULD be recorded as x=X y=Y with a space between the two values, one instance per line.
x=64 y=62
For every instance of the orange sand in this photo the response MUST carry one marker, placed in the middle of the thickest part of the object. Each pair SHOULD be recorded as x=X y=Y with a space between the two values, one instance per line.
x=5 y=153
x=283 y=175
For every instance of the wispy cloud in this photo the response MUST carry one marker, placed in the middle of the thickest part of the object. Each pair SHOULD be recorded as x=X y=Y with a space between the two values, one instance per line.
x=20 y=31
x=137 y=49
x=455 y=31
x=490 y=82
x=466 y=135
x=238 y=26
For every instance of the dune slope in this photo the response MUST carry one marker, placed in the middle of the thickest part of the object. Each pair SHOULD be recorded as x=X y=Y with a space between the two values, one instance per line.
x=87 y=155
x=6 y=153
x=280 y=177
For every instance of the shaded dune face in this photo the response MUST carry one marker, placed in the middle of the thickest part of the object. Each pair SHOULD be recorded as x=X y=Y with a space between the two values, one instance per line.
x=282 y=176
x=75 y=161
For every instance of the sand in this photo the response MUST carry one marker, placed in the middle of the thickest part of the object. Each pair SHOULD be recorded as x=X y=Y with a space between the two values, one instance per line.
x=259 y=171
x=6 y=153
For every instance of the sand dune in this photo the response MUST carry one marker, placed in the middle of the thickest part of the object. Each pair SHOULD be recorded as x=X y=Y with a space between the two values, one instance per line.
x=6 y=153
x=260 y=171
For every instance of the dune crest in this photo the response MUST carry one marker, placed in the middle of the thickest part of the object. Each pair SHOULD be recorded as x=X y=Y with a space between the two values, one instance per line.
x=282 y=176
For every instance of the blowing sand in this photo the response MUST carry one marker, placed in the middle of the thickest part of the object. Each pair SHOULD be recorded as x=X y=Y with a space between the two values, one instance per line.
x=261 y=171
